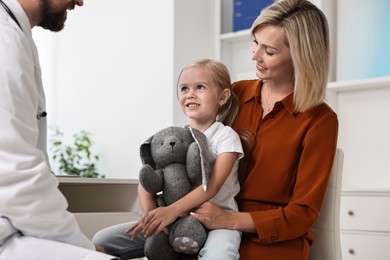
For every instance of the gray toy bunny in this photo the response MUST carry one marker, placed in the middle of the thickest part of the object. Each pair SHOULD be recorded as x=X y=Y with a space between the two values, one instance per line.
x=175 y=161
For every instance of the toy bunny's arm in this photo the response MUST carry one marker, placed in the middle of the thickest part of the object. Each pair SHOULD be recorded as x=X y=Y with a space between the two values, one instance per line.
x=151 y=180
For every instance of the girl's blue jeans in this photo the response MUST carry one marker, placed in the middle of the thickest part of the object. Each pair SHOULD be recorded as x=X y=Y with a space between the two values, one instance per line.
x=220 y=243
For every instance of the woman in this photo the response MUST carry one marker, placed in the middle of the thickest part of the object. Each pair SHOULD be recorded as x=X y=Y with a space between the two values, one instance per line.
x=294 y=133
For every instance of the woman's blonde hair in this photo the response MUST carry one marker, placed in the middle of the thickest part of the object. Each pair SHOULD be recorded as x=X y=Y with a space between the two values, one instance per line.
x=228 y=112
x=307 y=36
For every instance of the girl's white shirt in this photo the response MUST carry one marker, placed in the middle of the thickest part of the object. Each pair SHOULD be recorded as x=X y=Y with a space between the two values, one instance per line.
x=30 y=202
x=222 y=139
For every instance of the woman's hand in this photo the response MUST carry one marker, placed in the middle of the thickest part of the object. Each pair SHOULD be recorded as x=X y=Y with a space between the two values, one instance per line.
x=211 y=216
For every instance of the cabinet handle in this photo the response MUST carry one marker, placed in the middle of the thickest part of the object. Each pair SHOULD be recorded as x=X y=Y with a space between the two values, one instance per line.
x=351 y=251
x=351 y=213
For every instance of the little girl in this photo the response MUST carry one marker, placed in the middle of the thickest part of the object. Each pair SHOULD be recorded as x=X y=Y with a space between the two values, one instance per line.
x=206 y=98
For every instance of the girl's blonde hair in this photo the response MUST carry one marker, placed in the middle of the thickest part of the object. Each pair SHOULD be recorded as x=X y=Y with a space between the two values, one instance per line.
x=228 y=112
x=307 y=36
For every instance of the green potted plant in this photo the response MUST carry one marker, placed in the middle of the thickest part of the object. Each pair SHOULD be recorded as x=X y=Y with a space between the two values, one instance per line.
x=76 y=159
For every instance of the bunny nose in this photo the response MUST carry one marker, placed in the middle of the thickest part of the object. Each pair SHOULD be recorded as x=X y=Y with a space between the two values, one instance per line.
x=172 y=143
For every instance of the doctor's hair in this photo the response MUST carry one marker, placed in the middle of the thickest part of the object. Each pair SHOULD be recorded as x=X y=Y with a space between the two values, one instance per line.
x=228 y=112
x=307 y=36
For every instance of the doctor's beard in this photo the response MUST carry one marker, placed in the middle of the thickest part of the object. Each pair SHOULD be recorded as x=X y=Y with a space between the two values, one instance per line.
x=53 y=17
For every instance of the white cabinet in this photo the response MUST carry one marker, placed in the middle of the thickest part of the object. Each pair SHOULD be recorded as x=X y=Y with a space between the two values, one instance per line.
x=365 y=225
x=100 y=203
x=365 y=246
x=361 y=106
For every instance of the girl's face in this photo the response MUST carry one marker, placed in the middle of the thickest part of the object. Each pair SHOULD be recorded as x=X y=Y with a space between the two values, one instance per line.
x=271 y=53
x=200 y=97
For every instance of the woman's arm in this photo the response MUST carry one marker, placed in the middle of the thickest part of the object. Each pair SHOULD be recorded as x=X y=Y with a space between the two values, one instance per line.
x=160 y=217
x=213 y=217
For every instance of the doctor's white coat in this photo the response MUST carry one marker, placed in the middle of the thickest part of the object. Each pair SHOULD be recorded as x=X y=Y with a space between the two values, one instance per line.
x=30 y=202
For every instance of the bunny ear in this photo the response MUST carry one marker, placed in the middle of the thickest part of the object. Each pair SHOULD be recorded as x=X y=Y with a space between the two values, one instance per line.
x=201 y=140
x=146 y=153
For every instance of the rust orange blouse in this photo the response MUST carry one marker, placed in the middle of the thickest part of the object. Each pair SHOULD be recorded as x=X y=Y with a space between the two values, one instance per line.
x=284 y=179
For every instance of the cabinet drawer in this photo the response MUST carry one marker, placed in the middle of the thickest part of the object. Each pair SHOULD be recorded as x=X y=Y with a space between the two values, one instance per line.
x=359 y=246
x=369 y=213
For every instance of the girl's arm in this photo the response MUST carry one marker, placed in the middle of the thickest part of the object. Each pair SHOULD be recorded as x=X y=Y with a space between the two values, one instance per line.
x=146 y=200
x=148 y=203
x=160 y=217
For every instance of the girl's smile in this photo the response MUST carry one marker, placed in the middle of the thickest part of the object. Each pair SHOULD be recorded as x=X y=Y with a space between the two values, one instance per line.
x=199 y=97
x=192 y=105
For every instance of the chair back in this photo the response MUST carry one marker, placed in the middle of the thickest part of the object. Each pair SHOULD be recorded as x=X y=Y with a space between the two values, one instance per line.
x=327 y=244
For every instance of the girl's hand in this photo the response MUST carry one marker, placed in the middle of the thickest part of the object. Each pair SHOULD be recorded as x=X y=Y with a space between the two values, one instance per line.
x=157 y=220
x=137 y=227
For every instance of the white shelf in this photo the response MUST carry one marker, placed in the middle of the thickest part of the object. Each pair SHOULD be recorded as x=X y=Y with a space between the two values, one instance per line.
x=364 y=233
x=361 y=84
x=236 y=36
x=367 y=192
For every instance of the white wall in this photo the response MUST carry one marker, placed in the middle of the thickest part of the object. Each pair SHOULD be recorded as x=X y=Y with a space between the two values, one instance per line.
x=113 y=71
x=196 y=34
x=363 y=39
x=110 y=72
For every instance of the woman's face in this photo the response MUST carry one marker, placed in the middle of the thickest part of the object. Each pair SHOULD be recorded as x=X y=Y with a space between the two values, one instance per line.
x=271 y=53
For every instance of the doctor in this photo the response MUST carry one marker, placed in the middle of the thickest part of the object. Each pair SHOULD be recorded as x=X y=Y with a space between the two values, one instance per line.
x=34 y=222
